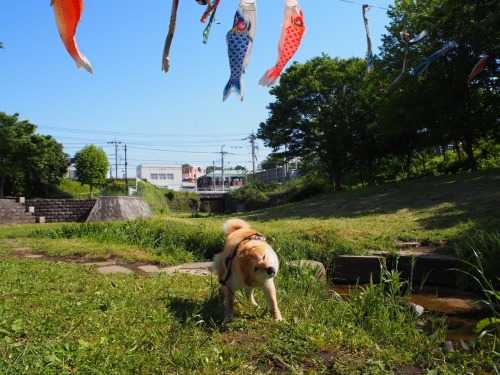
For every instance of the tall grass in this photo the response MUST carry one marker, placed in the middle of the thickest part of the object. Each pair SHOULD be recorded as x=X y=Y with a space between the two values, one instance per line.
x=480 y=253
x=480 y=272
x=179 y=242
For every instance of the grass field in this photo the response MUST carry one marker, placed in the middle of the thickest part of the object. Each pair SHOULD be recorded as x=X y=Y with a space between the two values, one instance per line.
x=60 y=317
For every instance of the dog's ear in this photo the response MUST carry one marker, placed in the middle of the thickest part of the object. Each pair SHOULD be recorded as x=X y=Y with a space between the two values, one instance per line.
x=233 y=225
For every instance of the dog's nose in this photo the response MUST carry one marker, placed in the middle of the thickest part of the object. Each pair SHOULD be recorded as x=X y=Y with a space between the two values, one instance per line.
x=271 y=271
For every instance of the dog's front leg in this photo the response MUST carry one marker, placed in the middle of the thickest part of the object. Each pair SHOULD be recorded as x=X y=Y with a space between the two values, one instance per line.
x=270 y=293
x=228 y=302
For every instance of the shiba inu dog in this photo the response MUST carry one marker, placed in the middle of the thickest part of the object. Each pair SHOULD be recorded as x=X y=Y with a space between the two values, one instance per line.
x=247 y=261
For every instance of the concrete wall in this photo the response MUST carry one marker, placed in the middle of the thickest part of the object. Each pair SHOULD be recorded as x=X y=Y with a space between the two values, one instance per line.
x=119 y=208
x=81 y=210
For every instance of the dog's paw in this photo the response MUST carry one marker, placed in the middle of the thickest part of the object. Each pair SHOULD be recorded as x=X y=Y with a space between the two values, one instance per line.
x=277 y=316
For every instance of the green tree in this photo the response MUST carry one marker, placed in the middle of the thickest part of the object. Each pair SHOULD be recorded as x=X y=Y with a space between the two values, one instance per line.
x=91 y=165
x=30 y=164
x=322 y=112
x=46 y=165
x=15 y=140
x=439 y=108
x=272 y=161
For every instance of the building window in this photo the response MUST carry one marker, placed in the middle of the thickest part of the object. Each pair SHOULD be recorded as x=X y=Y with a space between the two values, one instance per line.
x=154 y=176
x=163 y=176
x=170 y=176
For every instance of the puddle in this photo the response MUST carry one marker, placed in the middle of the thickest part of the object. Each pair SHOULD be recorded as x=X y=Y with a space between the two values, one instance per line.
x=462 y=309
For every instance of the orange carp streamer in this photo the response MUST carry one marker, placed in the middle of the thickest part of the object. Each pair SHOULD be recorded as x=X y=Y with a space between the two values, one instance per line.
x=292 y=31
x=478 y=68
x=67 y=14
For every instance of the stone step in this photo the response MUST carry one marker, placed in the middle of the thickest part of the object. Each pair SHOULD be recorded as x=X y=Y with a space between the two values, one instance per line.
x=14 y=212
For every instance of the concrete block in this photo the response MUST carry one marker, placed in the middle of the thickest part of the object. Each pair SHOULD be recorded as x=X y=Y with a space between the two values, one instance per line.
x=358 y=269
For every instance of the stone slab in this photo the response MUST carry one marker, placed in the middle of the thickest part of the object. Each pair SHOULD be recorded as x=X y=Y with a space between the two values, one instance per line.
x=170 y=270
x=149 y=268
x=199 y=265
x=114 y=269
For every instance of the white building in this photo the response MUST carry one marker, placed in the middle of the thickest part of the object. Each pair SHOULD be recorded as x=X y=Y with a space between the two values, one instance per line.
x=164 y=175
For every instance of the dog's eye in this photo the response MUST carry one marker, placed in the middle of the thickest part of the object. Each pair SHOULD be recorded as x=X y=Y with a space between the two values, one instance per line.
x=264 y=257
x=256 y=268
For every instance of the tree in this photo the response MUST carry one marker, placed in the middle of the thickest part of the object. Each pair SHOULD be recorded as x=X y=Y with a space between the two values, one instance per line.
x=14 y=146
x=322 y=112
x=91 y=165
x=445 y=108
x=272 y=161
x=46 y=165
x=30 y=164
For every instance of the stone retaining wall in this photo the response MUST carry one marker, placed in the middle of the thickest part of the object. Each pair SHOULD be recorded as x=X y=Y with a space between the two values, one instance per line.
x=62 y=210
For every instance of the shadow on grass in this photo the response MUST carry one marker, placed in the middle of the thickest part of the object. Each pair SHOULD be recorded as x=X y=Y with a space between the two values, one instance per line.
x=187 y=311
x=439 y=202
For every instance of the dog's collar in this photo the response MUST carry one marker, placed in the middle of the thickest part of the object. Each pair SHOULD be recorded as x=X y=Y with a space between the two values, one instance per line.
x=229 y=259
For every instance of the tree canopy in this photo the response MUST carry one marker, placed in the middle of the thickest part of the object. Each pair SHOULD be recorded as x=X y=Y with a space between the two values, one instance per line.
x=30 y=164
x=91 y=165
x=338 y=119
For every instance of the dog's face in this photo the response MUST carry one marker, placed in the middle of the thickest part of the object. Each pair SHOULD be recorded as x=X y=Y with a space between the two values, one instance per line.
x=257 y=262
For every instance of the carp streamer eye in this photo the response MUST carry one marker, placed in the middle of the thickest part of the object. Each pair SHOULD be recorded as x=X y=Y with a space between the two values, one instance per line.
x=242 y=25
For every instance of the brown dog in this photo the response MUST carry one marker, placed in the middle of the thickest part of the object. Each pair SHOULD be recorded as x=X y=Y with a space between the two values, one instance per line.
x=247 y=262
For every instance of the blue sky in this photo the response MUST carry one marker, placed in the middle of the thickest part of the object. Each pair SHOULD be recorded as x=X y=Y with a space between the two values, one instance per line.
x=174 y=117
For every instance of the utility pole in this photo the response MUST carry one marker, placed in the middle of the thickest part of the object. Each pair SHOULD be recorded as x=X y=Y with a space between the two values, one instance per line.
x=252 y=141
x=252 y=137
x=222 y=152
x=126 y=177
x=213 y=173
x=116 y=143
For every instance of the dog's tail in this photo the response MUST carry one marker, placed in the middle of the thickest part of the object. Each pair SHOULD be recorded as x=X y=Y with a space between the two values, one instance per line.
x=218 y=265
x=233 y=225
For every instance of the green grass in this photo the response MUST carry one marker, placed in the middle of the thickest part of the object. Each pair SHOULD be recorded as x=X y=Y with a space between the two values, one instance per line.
x=59 y=317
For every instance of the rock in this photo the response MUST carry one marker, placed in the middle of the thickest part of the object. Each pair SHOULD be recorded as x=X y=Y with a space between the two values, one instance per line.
x=416 y=309
x=320 y=268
